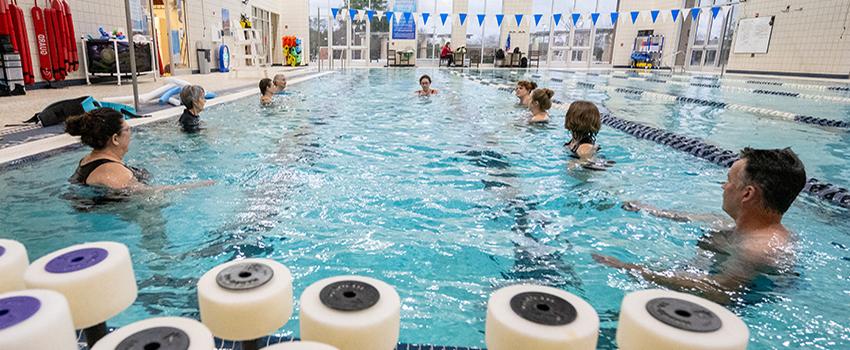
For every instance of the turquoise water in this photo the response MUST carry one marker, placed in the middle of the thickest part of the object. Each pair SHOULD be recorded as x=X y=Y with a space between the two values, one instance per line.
x=446 y=198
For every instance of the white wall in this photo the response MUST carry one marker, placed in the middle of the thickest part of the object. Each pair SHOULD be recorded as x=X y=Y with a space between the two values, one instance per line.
x=807 y=37
x=520 y=35
x=626 y=32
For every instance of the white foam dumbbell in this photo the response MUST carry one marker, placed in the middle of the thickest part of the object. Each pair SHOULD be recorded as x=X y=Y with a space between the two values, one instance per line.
x=96 y=278
x=300 y=345
x=36 y=319
x=524 y=317
x=159 y=333
x=245 y=299
x=665 y=320
x=13 y=264
x=351 y=313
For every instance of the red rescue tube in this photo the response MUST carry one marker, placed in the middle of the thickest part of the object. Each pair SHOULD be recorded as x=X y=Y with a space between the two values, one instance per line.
x=7 y=24
x=20 y=28
x=58 y=17
x=72 y=38
x=58 y=68
x=44 y=61
x=61 y=34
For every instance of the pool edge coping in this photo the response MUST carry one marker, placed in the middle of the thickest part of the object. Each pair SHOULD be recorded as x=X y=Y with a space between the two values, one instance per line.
x=39 y=149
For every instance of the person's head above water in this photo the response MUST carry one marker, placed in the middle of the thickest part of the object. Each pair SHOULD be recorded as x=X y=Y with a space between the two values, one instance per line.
x=542 y=99
x=279 y=82
x=763 y=181
x=192 y=97
x=265 y=86
x=102 y=128
x=583 y=120
x=425 y=82
x=524 y=89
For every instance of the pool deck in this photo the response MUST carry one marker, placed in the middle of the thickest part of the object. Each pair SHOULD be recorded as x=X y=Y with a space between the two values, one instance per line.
x=15 y=109
x=228 y=86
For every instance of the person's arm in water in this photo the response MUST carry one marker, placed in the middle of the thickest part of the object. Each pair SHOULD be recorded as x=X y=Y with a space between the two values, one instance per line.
x=716 y=221
x=116 y=176
x=735 y=273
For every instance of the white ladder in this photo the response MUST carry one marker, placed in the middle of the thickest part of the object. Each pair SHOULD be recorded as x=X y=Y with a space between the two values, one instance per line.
x=250 y=43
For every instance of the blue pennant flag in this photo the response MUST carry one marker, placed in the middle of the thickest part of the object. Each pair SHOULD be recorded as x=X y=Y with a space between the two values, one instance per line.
x=499 y=19
x=537 y=18
x=481 y=19
x=389 y=15
x=352 y=13
x=443 y=17
x=594 y=17
x=654 y=14
x=425 y=16
x=714 y=11
x=334 y=11
x=675 y=14
x=406 y=16
x=614 y=16
x=518 y=20
x=695 y=13
x=635 y=15
x=370 y=14
x=557 y=18
x=576 y=17
x=462 y=17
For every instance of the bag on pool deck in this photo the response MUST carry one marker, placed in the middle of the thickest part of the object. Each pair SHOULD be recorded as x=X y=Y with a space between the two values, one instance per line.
x=57 y=112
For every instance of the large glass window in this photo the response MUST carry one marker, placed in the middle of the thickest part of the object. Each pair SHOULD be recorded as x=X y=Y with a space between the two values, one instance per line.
x=540 y=32
x=425 y=36
x=379 y=31
x=603 y=45
x=318 y=27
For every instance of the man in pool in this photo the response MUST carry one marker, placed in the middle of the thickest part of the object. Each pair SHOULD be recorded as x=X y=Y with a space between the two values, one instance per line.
x=759 y=189
x=279 y=83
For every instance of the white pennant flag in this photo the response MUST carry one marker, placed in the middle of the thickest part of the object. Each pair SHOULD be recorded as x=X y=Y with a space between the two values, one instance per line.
x=361 y=15
x=379 y=15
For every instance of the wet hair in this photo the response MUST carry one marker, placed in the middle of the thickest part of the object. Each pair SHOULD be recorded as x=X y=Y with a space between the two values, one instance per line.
x=778 y=173
x=425 y=76
x=96 y=127
x=265 y=84
x=583 y=120
x=528 y=85
x=543 y=97
x=190 y=94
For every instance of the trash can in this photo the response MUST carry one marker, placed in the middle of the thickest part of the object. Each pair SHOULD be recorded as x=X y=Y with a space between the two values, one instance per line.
x=204 y=56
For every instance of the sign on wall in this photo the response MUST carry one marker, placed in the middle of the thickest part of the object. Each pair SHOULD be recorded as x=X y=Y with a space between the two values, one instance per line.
x=404 y=28
x=753 y=35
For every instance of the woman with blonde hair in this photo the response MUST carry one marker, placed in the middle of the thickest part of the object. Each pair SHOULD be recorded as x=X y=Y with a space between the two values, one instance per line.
x=541 y=101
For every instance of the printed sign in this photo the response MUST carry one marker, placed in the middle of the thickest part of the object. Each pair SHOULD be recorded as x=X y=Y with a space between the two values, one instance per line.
x=405 y=27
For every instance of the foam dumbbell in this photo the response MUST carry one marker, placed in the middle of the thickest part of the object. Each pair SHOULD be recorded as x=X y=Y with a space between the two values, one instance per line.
x=36 y=319
x=351 y=313
x=97 y=279
x=13 y=264
x=537 y=317
x=164 y=333
x=665 y=320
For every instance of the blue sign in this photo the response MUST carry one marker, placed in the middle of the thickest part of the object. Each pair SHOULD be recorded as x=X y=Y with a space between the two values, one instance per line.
x=405 y=28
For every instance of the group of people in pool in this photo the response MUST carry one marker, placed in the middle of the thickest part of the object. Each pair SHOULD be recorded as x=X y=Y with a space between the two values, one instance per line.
x=583 y=119
x=751 y=240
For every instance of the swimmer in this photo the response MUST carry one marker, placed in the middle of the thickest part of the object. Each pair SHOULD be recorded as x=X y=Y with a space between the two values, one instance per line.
x=108 y=134
x=583 y=122
x=759 y=189
x=279 y=81
x=425 y=83
x=267 y=91
x=541 y=101
x=523 y=92
x=192 y=97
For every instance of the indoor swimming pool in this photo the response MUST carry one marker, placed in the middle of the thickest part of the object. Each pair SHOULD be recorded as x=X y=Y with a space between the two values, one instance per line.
x=448 y=198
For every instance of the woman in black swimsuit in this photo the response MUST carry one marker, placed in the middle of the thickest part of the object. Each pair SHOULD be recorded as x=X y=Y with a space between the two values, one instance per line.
x=105 y=130
x=583 y=122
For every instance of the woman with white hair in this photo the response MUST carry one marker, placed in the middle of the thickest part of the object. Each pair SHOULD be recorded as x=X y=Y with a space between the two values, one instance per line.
x=192 y=97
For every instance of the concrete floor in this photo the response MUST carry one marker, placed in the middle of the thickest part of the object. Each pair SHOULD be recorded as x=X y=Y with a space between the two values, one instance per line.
x=16 y=109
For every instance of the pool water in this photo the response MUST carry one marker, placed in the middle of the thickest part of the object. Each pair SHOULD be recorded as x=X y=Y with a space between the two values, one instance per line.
x=446 y=198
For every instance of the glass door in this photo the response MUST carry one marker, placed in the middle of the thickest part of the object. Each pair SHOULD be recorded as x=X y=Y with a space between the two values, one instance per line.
x=708 y=38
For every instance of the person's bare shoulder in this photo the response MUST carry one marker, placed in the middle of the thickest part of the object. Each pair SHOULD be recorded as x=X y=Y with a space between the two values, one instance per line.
x=113 y=175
